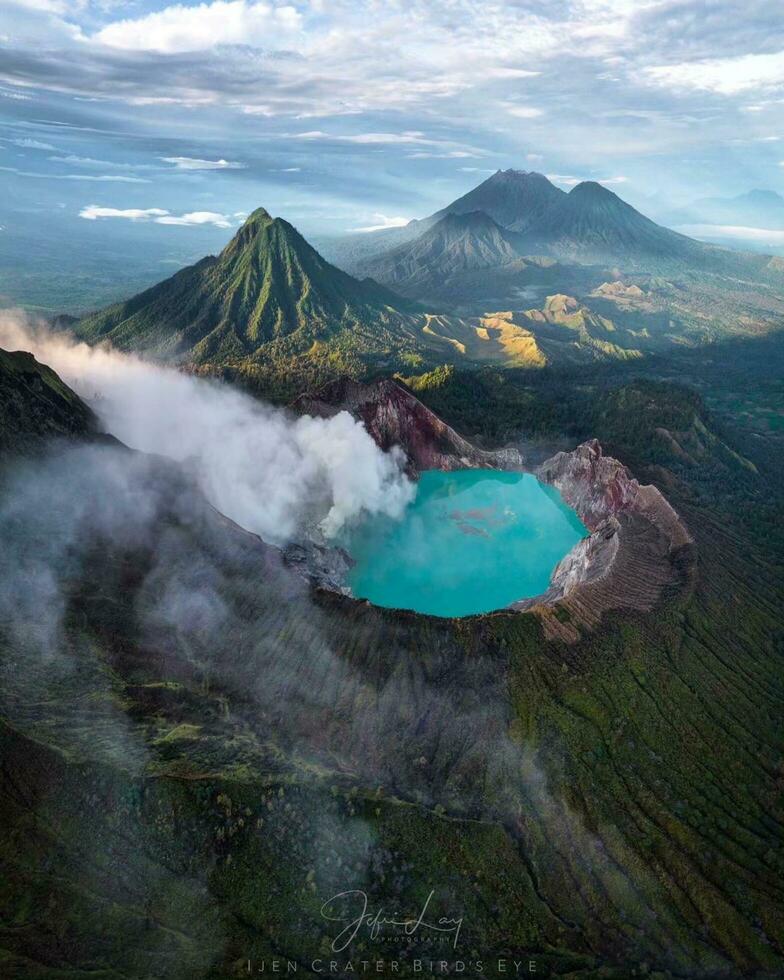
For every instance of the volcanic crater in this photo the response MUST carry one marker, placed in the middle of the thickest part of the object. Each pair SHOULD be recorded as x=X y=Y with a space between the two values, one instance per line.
x=637 y=551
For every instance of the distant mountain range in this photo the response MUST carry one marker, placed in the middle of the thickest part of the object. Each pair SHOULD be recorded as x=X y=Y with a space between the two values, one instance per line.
x=516 y=219
x=543 y=288
x=754 y=209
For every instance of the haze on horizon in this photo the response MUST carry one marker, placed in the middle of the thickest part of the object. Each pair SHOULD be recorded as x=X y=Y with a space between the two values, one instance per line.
x=155 y=126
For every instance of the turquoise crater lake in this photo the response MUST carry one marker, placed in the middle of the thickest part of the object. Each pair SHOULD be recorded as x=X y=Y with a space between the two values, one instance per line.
x=470 y=542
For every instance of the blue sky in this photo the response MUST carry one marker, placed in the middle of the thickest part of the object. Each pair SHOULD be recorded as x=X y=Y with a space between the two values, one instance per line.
x=344 y=115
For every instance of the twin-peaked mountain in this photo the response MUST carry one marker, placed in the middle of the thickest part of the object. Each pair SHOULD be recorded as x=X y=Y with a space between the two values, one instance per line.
x=526 y=216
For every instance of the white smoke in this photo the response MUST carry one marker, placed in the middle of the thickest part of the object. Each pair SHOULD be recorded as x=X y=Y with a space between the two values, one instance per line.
x=269 y=471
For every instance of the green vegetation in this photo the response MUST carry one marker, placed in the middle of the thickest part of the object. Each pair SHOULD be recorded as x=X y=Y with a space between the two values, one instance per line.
x=35 y=404
x=183 y=797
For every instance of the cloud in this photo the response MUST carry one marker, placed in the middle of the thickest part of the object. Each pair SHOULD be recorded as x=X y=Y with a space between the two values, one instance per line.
x=739 y=232
x=371 y=138
x=443 y=148
x=524 y=111
x=179 y=28
x=383 y=222
x=501 y=72
x=573 y=181
x=461 y=72
x=451 y=155
x=93 y=212
x=196 y=218
x=193 y=163
x=272 y=473
x=31 y=144
x=726 y=76
x=160 y=216
x=107 y=178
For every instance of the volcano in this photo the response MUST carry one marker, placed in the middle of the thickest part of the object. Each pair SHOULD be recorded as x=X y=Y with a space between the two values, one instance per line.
x=267 y=286
x=514 y=199
x=456 y=243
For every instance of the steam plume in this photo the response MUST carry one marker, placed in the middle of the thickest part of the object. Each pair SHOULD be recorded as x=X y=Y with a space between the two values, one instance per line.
x=270 y=472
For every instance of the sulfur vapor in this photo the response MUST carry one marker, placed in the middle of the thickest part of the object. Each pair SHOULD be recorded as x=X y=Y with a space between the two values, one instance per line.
x=273 y=473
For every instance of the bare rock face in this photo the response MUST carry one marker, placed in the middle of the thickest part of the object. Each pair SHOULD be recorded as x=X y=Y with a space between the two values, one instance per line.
x=394 y=417
x=594 y=485
x=637 y=550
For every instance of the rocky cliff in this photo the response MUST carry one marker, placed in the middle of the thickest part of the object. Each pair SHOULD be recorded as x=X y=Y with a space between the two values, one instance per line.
x=638 y=545
x=394 y=417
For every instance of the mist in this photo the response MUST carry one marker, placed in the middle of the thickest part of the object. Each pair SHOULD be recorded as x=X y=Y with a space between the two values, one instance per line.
x=275 y=474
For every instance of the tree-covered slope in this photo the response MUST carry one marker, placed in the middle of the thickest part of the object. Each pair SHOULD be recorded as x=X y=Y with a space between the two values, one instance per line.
x=36 y=405
x=267 y=287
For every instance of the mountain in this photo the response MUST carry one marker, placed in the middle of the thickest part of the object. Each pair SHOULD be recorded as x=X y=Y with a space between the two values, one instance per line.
x=35 y=405
x=455 y=244
x=755 y=208
x=591 y=223
x=588 y=226
x=268 y=287
x=514 y=199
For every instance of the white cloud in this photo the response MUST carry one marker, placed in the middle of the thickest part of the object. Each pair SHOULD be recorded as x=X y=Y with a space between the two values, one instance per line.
x=100 y=178
x=18 y=96
x=29 y=144
x=193 y=163
x=449 y=155
x=412 y=136
x=443 y=149
x=160 y=216
x=179 y=28
x=726 y=76
x=196 y=218
x=739 y=232
x=502 y=72
x=383 y=222
x=570 y=181
x=93 y=212
x=524 y=111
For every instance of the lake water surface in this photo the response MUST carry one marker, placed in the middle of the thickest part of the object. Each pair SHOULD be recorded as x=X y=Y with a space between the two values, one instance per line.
x=471 y=541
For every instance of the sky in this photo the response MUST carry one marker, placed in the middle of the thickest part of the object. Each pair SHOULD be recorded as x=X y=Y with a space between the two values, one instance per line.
x=158 y=123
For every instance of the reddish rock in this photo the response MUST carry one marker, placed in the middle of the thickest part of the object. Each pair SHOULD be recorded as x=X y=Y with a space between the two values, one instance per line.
x=394 y=417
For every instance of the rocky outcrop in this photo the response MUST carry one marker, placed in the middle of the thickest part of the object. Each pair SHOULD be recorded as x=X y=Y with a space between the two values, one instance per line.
x=637 y=549
x=394 y=417
x=596 y=486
